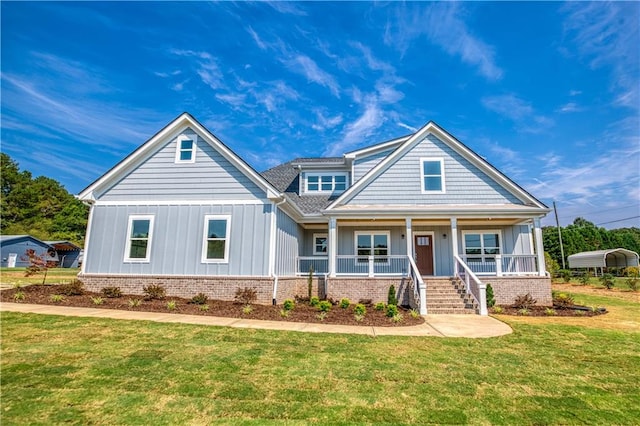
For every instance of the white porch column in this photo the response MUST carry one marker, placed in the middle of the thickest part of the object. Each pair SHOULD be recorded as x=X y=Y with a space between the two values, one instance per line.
x=537 y=233
x=332 y=244
x=454 y=241
x=409 y=235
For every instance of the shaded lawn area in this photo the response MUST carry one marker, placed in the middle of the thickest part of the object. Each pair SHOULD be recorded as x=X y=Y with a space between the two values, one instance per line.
x=97 y=371
x=10 y=277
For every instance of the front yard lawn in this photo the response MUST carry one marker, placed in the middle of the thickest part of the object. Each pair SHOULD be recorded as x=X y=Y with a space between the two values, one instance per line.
x=97 y=371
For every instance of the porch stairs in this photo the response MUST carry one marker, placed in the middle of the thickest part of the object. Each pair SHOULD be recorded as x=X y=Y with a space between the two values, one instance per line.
x=448 y=296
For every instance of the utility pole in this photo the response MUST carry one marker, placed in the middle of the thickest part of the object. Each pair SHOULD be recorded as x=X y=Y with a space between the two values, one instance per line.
x=555 y=210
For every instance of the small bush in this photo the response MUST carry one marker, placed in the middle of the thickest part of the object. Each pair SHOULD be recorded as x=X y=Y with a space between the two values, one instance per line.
x=565 y=274
x=19 y=296
x=360 y=309
x=203 y=307
x=134 y=303
x=73 y=288
x=580 y=313
x=111 y=292
x=379 y=306
x=391 y=296
x=199 y=299
x=497 y=310
x=324 y=306
x=632 y=271
x=397 y=318
x=345 y=303
x=358 y=317
x=584 y=278
x=414 y=313
x=632 y=283
x=172 y=305
x=154 y=292
x=607 y=280
x=524 y=312
x=288 y=305
x=550 y=312
x=491 y=300
x=562 y=300
x=314 y=301
x=246 y=296
x=247 y=309
x=57 y=298
x=97 y=300
x=284 y=313
x=525 y=301
x=392 y=311
x=322 y=315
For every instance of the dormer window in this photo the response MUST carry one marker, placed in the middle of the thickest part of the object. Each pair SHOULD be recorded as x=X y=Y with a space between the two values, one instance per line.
x=186 y=149
x=432 y=175
x=326 y=182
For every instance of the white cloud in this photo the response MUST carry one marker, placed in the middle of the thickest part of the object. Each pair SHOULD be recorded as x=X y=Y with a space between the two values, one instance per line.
x=233 y=99
x=356 y=132
x=306 y=66
x=518 y=111
x=406 y=126
x=287 y=7
x=324 y=122
x=261 y=44
x=569 y=107
x=206 y=67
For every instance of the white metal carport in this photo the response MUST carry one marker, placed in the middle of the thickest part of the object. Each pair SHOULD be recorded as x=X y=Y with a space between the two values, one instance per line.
x=612 y=258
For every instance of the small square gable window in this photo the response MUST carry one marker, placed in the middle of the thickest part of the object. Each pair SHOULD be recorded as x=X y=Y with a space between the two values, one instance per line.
x=432 y=174
x=186 y=149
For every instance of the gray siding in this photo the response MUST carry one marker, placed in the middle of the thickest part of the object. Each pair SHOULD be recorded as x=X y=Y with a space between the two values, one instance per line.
x=346 y=238
x=177 y=237
x=465 y=183
x=363 y=164
x=20 y=246
x=442 y=248
x=288 y=237
x=211 y=177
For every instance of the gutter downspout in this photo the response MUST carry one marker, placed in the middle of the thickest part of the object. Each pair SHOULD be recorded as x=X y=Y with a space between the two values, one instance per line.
x=272 y=250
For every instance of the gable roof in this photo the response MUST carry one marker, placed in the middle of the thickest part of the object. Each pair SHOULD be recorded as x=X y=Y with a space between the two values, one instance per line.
x=6 y=239
x=432 y=128
x=146 y=149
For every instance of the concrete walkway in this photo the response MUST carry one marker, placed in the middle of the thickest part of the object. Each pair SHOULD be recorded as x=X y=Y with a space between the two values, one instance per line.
x=472 y=326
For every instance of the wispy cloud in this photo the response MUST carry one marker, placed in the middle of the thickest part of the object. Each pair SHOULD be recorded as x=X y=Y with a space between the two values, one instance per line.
x=306 y=66
x=206 y=67
x=518 y=111
x=254 y=35
x=569 y=107
x=443 y=26
x=364 y=126
x=290 y=8
x=325 y=122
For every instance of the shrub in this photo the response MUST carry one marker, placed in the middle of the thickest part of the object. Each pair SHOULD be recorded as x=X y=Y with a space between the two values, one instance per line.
x=497 y=310
x=133 y=303
x=19 y=296
x=632 y=283
x=391 y=296
x=172 y=305
x=111 y=292
x=414 y=313
x=199 y=299
x=314 y=301
x=523 y=311
x=584 y=278
x=246 y=295
x=73 y=288
x=550 y=312
x=324 y=306
x=288 y=305
x=580 y=313
x=632 y=271
x=345 y=303
x=247 y=309
x=203 y=307
x=491 y=301
x=57 y=298
x=284 y=313
x=360 y=309
x=392 y=311
x=379 y=306
x=562 y=300
x=525 y=301
x=607 y=280
x=321 y=316
x=358 y=317
x=97 y=300
x=565 y=274
x=154 y=292
x=397 y=318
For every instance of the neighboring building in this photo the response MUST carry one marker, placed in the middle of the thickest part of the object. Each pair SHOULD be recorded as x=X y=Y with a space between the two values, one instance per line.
x=603 y=259
x=67 y=252
x=422 y=212
x=14 y=250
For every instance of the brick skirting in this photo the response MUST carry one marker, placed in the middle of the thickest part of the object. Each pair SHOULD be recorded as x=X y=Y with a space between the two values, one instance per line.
x=506 y=289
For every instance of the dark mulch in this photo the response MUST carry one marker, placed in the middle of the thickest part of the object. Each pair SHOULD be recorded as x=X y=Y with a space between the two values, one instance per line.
x=541 y=311
x=41 y=294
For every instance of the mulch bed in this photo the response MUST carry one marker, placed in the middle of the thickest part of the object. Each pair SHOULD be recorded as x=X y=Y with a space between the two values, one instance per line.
x=541 y=311
x=41 y=295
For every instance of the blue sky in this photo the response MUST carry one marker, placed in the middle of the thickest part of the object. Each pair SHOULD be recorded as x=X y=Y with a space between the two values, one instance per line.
x=547 y=92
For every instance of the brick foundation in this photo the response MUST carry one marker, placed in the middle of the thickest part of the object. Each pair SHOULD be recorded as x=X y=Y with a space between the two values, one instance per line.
x=506 y=289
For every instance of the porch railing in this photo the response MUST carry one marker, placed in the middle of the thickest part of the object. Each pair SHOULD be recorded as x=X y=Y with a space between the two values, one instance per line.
x=502 y=264
x=473 y=285
x=419 y=287
x=372 y=265
x=320 y=265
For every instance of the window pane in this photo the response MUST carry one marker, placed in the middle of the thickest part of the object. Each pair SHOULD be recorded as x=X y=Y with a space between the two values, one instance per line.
x=140 y=228
x=472 y=240
x=364 y=241
x=326 y=179
x=380 y=241
x=185 y=155
x=490 y=240
x=138 y=249
x=433 y=183
x=313 y=187
x=321 y=245
x=431 y=168
x=472 y=251
x=186 y=145
x=341 y=186
x=312 y=179
x=217 y=229
x=215 y=249
x=327 y=187
x=341 y=179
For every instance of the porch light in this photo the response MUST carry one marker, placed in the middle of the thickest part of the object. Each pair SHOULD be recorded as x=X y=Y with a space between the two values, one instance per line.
x=444 y=236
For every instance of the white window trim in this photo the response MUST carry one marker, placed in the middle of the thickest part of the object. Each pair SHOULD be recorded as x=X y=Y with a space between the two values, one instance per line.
x=480 y=232
x=319 y=253
x=355 y=241
x=127 y=248
x=184 y=137
x=207 y=218
x=442 y=173
x=333 y=182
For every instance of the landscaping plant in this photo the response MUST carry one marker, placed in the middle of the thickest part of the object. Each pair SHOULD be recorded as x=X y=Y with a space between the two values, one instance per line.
x=607 y=280
x=491 y=301
x=391 y=296
x=111 y=292
x=73 y=288
x=524 y=301
x=154 y=292
x=246 y=296
x=345 y=303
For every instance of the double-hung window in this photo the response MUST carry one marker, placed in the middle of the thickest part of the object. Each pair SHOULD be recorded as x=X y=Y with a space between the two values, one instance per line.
x=186 y=149
x=215 y=244
x=374 y=244
x=326 y=182
x=481 y=246
x=320 y=244
x=139 y=232
x=432 y=175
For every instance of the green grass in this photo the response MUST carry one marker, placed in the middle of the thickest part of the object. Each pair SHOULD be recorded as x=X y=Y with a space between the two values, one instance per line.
x=618 y=282
x=15 y=276
x=97 y=371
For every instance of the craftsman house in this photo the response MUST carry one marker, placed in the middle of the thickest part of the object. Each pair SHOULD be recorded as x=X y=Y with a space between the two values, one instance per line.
x=422 y=212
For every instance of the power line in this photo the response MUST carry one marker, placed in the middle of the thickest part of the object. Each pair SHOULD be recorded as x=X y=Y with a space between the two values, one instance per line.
x=601 y=211
x=619 y=220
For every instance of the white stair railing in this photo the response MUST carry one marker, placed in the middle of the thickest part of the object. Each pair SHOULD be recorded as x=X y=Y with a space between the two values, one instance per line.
x=419 y=287
x=473 y=285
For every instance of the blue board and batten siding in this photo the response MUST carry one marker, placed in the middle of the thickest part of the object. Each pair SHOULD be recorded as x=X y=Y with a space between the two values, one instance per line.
x=464 y=182
x=210 y=177
x=177 y=240
x=288 y=237
x=18 y=246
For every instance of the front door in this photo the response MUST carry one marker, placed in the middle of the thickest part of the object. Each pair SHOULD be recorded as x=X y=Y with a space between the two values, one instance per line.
x=12 y=260
x=424 y=253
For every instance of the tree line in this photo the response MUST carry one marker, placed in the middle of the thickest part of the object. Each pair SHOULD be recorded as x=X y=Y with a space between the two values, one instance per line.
x=583 y=235
x=39 y=206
